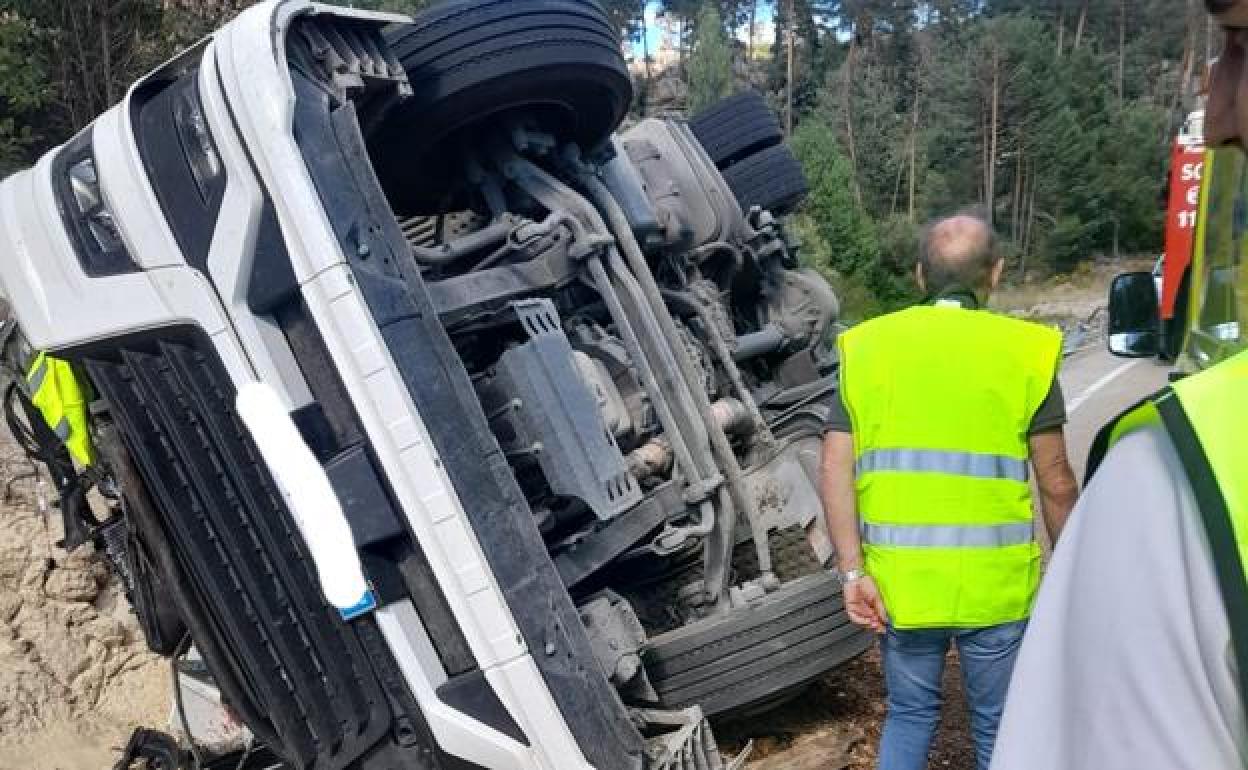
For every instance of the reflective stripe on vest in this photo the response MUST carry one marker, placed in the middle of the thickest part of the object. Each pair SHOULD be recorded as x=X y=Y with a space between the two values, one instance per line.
x=1206 y=419
x=38 y=373
x=935 y=536
x=981 y=466
x=941 y=401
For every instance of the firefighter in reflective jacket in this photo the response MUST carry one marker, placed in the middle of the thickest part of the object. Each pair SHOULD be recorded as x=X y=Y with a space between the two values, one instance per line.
x=57 y=394
x=943 y=410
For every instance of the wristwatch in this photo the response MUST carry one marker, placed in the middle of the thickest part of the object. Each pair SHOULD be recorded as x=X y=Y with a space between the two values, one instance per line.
x=850 y=576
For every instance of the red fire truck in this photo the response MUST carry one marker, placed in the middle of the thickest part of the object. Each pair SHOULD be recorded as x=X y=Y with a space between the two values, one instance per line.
x=1186 y=166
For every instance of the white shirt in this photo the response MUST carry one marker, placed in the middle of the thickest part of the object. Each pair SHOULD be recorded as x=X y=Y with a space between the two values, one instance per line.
x=1127 y=663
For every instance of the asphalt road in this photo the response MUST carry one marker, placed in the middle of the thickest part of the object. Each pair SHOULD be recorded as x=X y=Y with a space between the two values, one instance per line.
x=1098 y=387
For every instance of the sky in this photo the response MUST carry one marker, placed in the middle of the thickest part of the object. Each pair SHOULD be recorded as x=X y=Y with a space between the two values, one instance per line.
x=764 y=29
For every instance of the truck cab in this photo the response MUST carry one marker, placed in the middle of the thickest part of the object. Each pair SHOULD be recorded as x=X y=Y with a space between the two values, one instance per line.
x=1187 y=156
x=1217 y=291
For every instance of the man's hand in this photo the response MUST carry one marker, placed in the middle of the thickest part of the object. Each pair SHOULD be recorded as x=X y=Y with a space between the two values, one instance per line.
x=864 y=604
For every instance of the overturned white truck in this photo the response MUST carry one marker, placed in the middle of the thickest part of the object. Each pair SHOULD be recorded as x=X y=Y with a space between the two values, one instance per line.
x=566 y=385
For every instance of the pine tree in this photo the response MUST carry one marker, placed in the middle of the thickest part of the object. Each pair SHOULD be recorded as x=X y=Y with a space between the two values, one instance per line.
x=710 y=64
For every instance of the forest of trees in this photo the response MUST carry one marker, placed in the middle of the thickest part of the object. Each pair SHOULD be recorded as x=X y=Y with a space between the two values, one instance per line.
x=1054 y=116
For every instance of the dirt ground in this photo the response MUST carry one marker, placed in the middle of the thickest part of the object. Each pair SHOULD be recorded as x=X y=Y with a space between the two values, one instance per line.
x=835 y=725
x=75 y=674
x=1067 y=298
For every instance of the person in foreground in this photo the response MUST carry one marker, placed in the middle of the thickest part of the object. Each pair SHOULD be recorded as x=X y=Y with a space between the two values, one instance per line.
x=1137 y=656
x=925 y=485
x=1130 y=663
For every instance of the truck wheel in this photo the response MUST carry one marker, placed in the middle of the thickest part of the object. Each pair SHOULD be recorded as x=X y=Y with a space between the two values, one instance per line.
x=771 y=178
x=473 y=64
x=750 y=656
x=736 y=127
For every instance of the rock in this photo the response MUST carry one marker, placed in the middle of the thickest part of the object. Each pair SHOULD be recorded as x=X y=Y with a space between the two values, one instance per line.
x=10 y=605
x=108 y=631
x=73 y=663
x=74 y=584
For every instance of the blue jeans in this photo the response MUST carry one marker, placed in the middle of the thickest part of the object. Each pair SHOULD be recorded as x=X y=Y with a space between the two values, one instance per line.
x=914 y=663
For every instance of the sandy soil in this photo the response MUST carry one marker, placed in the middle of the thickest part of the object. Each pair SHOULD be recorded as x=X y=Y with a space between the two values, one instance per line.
x=75 y=674
x=1061 y=299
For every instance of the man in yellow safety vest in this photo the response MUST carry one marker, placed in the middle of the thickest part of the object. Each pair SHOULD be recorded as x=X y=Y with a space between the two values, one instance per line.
x=943 y=410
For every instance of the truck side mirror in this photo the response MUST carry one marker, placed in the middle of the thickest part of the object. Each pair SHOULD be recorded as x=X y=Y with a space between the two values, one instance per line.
x=1134 y=316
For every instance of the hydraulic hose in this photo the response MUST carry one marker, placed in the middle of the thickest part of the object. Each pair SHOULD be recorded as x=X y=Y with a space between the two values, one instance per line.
x=663 y=410
x=721 y=351
x=722 y=449
x=587 y=226
x=491 y=235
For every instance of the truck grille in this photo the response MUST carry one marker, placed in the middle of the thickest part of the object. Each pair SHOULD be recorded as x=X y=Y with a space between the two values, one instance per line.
x=301 y=669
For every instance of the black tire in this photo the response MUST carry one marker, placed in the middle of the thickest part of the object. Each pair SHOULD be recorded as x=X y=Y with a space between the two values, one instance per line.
x=755 y=654
x=736 y=127
x=474 y=63
x=771 y=178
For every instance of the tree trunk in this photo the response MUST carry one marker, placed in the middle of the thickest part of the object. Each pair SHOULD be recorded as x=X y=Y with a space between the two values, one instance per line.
x=89 y=90
x=681 y=40
x=1208 y=40
x=645 y=62
x=990 y=192
x=1030 y=228
x=1122 y=51
x=847 y=104
x=106 y=55
x=901 y=170
x=753 y=27
x=985 y=128
x=1186 y=64
x=1083 y=22
x=1061 y=29
x=914 y=145
x=788 y=113
x=1017 y=203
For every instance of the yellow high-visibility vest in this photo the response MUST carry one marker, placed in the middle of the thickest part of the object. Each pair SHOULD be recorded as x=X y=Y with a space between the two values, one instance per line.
x=59 y=397
x=1206 y=419
x=941 y=400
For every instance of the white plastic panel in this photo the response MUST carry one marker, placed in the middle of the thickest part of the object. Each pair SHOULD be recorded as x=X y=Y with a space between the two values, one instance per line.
x=59 y=306
x=456 y=733
x=232 y=253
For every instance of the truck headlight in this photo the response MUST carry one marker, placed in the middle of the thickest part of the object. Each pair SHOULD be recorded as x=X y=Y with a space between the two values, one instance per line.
x=196 y=140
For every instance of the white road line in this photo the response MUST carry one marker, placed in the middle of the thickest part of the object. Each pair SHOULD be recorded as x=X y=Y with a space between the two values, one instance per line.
x=1092 y=389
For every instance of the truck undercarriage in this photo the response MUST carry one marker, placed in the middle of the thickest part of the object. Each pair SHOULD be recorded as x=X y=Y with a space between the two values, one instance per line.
x=566 y=384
